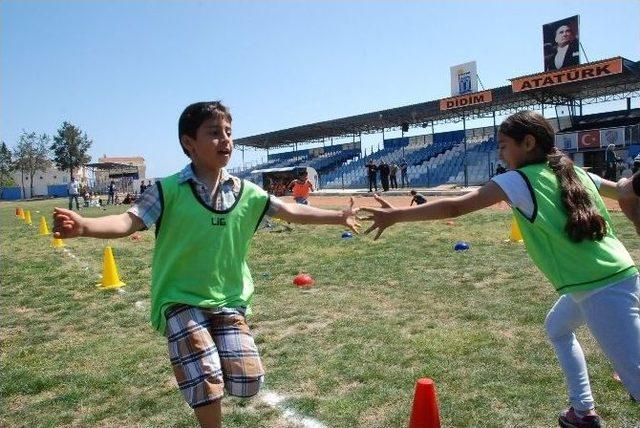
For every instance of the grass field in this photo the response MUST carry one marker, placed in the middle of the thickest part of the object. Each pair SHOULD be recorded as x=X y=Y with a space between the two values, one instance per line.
x=346 y=352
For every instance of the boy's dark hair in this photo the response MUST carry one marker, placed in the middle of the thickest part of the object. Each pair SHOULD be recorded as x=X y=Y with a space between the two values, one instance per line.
x=196 y=113
x=413 y=192
x=584 y=221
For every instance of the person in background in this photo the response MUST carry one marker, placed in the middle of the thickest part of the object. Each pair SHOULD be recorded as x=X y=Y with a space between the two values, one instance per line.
x=418 y=198
x=384 y=175
x=372 y=171
x=301 y=187
x=111 y=191
x=393 y=175
x=74 y=192
x=403 y=173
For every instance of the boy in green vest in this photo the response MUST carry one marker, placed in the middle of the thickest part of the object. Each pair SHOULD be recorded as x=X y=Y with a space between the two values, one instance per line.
x=201 y=286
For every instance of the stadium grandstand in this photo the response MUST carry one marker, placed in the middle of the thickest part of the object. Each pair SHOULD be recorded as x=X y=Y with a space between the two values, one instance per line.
x=469 y=156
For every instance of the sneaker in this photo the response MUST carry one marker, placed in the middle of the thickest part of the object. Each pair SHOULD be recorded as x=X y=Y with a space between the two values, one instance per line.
x=570 y=419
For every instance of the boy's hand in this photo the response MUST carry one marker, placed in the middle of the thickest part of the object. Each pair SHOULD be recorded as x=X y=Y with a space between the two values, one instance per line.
x=67 y=223
x=629 y=202
x=349 y=216
x=382 y=217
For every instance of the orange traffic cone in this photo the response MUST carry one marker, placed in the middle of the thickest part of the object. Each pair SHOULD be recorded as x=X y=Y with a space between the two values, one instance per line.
x=110 y=277
x=514 y=234
x=425 y=413
x=57 y=243
x=43 y=229
x=20 y=213
x=27 y=217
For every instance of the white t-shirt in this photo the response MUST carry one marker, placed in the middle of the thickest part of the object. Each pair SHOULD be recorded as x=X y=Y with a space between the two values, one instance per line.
x=515 y=187
x=73 y=188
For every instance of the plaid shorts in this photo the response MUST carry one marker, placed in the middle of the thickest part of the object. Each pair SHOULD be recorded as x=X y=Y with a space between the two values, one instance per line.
x=212 y=350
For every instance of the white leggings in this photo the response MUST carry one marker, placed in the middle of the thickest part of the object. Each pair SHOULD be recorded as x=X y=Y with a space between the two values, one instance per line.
x=613 y=317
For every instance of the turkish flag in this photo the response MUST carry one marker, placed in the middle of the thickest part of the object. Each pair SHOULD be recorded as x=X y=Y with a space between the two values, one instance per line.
x=589 y=139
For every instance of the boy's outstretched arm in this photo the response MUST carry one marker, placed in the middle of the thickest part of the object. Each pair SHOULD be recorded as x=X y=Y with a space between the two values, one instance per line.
x=625 y=192
x=487 y=195
x=70 y=224
x=304 y=214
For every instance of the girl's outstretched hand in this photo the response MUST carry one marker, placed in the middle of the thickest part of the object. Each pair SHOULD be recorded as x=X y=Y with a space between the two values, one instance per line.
x=67 y=223
x=349 y=216
x=382 y=217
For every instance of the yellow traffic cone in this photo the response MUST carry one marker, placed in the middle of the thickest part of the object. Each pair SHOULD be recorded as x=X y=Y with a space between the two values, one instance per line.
x=43 y=229
x=21 y=213
x=515 y=235
x=27 y=217
x=57 y=243
x=110 y=277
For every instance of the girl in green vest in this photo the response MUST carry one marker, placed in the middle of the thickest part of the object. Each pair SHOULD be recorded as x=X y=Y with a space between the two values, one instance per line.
x=569 y=235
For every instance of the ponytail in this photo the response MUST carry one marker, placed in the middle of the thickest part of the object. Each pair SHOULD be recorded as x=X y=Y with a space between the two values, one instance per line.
x=584 y=221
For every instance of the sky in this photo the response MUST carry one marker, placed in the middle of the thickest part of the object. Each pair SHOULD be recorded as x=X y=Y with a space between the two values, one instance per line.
x=123 y=71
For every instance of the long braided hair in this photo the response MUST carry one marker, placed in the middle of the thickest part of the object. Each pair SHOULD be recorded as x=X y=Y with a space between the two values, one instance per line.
x=584 y=221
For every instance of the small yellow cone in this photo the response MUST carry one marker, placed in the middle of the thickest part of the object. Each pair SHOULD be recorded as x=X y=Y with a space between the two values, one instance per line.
x=27 y=217
x=43 y=229
x=21 y=213
x=515 y=235
x=57 y=243
x=110 y=277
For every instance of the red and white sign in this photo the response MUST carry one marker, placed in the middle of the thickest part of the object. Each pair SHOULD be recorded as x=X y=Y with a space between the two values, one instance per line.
x=589 y=139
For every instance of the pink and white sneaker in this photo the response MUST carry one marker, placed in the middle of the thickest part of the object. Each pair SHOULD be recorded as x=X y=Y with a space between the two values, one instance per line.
x=570 y=419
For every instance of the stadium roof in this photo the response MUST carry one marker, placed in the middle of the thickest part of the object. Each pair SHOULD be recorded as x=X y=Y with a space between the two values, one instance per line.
x=108 y=166
x=503 y=101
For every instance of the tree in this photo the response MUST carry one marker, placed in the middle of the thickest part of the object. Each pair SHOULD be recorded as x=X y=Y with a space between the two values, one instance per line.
x=31 y=156
x=70 y=147
x=6 y=167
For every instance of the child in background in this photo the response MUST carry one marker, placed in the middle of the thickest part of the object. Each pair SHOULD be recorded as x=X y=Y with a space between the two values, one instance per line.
x=301 y=187
x=568 y=234
x=418 y=198
x=201 y=286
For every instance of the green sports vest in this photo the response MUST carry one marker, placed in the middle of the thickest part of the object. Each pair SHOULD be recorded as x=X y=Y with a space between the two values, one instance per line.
x=568 y=265
x=200 y=253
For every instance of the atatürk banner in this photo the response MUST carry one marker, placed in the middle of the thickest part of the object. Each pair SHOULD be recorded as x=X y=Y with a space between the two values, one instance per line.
x=568 y=75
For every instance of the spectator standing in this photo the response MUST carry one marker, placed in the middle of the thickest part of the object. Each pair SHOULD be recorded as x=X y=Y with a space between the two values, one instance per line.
x=74 y=192
x=372 y=170
x=393 y=177
x=403 y=173
x=111 y=193
x=384 y=175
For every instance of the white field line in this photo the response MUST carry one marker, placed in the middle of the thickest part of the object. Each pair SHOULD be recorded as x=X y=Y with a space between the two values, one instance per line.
x=275 y=400
x=270 y=398
x=84 y=265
